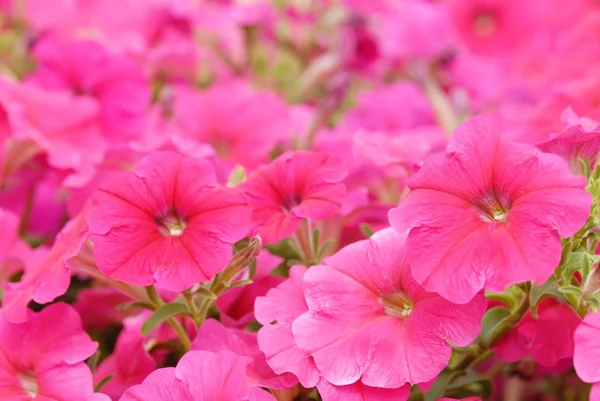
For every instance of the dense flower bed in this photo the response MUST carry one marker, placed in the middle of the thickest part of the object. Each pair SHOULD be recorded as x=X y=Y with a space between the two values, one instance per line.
x=294 y=200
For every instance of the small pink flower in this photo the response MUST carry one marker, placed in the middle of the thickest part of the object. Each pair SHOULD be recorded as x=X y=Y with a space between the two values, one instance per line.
x=43 y=358
x=295 y=186
x=365 y=310
x=166 y=223
x=214 y=337
x=587 y=353
x=548 y=339
x=99 y=307
x=477 y=213
x=573 y=144
x=200 y=375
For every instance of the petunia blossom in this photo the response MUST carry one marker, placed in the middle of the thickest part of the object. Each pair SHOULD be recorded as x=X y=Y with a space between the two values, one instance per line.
x=14 y=252
x=360 y=392
x=368 y=319
x=548 y=339
x=166 y=223
x=575 y=144
x=587 y=353
x=295 y=186
x=43 y=358
x=477 y=213
x=199 y=376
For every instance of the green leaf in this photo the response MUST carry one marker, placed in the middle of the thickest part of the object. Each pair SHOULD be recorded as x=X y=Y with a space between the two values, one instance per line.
x=206 y=293
x=570 y=289
x=540 y=292
x=502 y=297
x=575 y=261
x=595 y=302
x=163 y=313
x=102 y=383
x=492 y=319
x=239 y=283
x=367 y=230
x=237 y=176
x=252 y=268
x=93 y=361
x=136 y=304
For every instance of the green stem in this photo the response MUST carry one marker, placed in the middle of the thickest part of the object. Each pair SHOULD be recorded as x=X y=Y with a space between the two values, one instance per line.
x=173 y=322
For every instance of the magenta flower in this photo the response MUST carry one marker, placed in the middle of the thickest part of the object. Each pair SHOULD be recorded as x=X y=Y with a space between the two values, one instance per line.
x=199 y=376
x=43 y=358
x=360 y=392
x=369 y=320
x=477 y=214
x=166 y=223
x=295 y=186
x=575 y=143
x=548 y=339
x=587 y=353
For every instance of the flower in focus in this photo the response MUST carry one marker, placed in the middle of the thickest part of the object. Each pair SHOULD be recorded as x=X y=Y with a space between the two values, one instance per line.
x=295 y=186
x=199 y=375
x=365 y=310
x=166 y=223
x=477 y=212
x=43 y=358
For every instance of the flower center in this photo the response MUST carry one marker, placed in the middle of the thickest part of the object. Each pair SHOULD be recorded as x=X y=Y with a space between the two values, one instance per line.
x=171 y=223
x=397 y=304
x=485 y=25
x=29 y=383
x=492 y=208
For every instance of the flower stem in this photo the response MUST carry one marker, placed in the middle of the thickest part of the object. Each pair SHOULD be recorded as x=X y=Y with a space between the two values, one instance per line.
x=156 y=299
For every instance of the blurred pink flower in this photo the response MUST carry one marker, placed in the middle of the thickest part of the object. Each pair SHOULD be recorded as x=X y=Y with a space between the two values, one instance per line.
x=587 y=353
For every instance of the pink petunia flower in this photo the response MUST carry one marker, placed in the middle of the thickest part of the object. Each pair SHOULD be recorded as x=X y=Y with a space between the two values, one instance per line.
x=476 y=213
x=295 y=186
x=214 y=337
x=575 y=143
x=365 y=310
x=548 y=339
x=200 y=376
x=14 y=252
x=277 y=311
x=43 y=358
x=165 y=223
x=587 y=353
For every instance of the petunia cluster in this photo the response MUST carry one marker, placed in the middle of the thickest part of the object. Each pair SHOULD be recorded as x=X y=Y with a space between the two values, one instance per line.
x=299 y=200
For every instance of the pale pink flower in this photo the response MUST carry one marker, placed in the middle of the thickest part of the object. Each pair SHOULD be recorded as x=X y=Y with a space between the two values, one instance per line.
x=295 y=186
x=166 y=223
x=199 y=376
x=548 y=339
x=276 y=312
x=213 y=336
x=236 y=306
x=476 y=213
x=366 y=310
x=50 y=276
x=43 y=358
x=586 y=357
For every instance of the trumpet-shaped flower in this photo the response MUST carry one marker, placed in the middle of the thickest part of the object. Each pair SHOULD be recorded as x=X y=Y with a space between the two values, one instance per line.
x=478 y=213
